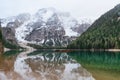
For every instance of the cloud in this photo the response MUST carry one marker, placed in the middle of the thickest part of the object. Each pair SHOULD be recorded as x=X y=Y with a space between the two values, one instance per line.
x=78 y=8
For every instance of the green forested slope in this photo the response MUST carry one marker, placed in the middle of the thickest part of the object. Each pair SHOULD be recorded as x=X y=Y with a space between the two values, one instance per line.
x=104 y=33
x=1 y=44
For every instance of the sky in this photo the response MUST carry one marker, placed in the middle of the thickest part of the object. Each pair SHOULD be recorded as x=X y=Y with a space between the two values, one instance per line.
x=80 y=9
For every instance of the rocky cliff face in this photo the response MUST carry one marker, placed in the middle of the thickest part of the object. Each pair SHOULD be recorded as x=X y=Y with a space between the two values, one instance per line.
x=46 y=27
x=9 y=35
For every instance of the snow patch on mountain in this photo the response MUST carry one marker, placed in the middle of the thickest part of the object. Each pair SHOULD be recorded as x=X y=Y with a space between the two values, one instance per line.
x=47 y=26
x=68 y=22
x=45 y=14
x=5 y=21
x=22 y=31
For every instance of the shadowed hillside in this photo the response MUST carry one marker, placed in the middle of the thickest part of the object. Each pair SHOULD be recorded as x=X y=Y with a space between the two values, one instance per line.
x=1 y=46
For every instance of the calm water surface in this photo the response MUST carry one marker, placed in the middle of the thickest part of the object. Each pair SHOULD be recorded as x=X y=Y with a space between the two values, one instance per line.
x=41 y=65
x=100 y=60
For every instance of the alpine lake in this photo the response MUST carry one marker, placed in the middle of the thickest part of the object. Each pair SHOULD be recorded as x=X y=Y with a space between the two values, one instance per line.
x=53 y=65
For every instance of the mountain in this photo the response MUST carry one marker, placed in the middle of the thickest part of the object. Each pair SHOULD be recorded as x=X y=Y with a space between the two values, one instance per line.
x=104 y=33
x=9 y=39
x=47 y=27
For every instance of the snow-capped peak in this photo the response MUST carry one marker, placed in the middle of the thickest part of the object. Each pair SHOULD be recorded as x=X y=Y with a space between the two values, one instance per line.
x=21 y=18
x=45 y=13
x=46 y=26
x=7 y=20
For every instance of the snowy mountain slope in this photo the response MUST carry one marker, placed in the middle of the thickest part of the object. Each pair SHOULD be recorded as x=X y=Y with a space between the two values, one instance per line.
x=46 y=27
x=21 y=18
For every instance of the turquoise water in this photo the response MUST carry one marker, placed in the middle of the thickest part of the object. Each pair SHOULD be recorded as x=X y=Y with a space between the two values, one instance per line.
x=101 y=60
x=50 y=65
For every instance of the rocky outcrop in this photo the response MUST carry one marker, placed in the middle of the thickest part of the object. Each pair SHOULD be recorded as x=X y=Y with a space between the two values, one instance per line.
x=9 y=35
x=81 y=28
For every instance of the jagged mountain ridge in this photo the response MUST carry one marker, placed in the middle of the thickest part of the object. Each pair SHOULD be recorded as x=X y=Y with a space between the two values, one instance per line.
x=46 y=27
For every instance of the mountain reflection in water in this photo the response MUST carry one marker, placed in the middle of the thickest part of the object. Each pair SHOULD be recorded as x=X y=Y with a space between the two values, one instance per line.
x=41 y=66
